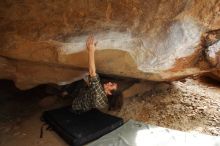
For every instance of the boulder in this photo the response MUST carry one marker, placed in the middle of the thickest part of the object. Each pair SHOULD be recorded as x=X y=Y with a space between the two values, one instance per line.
x=44 y=41
x=213 y=53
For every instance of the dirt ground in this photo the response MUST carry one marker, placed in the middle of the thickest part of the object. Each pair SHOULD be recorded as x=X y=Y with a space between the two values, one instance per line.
x=187 y=105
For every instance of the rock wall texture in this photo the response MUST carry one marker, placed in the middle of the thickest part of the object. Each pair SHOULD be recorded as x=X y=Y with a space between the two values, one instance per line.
x=43 y=41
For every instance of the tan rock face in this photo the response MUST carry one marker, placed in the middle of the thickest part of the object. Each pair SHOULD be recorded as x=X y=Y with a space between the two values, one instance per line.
x=213 y=53
x=44 y=41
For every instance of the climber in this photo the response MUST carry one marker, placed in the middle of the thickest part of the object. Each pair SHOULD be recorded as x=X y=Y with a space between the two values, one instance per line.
x=94 y=95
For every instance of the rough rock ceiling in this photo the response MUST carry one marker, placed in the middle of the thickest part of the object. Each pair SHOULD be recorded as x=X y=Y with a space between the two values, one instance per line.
x=43 y=41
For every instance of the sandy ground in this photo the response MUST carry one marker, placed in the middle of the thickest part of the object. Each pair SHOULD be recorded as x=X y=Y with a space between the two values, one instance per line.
x=187 y=105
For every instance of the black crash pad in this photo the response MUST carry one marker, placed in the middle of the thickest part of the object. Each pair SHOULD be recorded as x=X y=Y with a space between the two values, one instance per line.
x=78 y=130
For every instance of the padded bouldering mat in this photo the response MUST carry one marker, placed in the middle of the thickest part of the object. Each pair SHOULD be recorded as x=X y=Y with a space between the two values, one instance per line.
x=134 y=133
x=77 y=129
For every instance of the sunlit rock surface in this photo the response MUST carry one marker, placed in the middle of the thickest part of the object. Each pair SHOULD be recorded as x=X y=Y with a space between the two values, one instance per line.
x=213 y=54
x=44 y=41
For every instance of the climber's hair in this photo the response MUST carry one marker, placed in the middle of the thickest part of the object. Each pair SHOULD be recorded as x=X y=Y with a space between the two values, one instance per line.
x=115 y=100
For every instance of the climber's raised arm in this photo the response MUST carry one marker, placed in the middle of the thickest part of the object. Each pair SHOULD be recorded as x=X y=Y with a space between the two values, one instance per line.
x=90 y=45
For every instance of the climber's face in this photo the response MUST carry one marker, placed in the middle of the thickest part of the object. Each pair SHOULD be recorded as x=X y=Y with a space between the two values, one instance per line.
x=108 y=87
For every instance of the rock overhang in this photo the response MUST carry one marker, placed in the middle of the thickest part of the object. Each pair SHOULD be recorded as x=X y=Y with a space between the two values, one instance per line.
x=150 y=40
